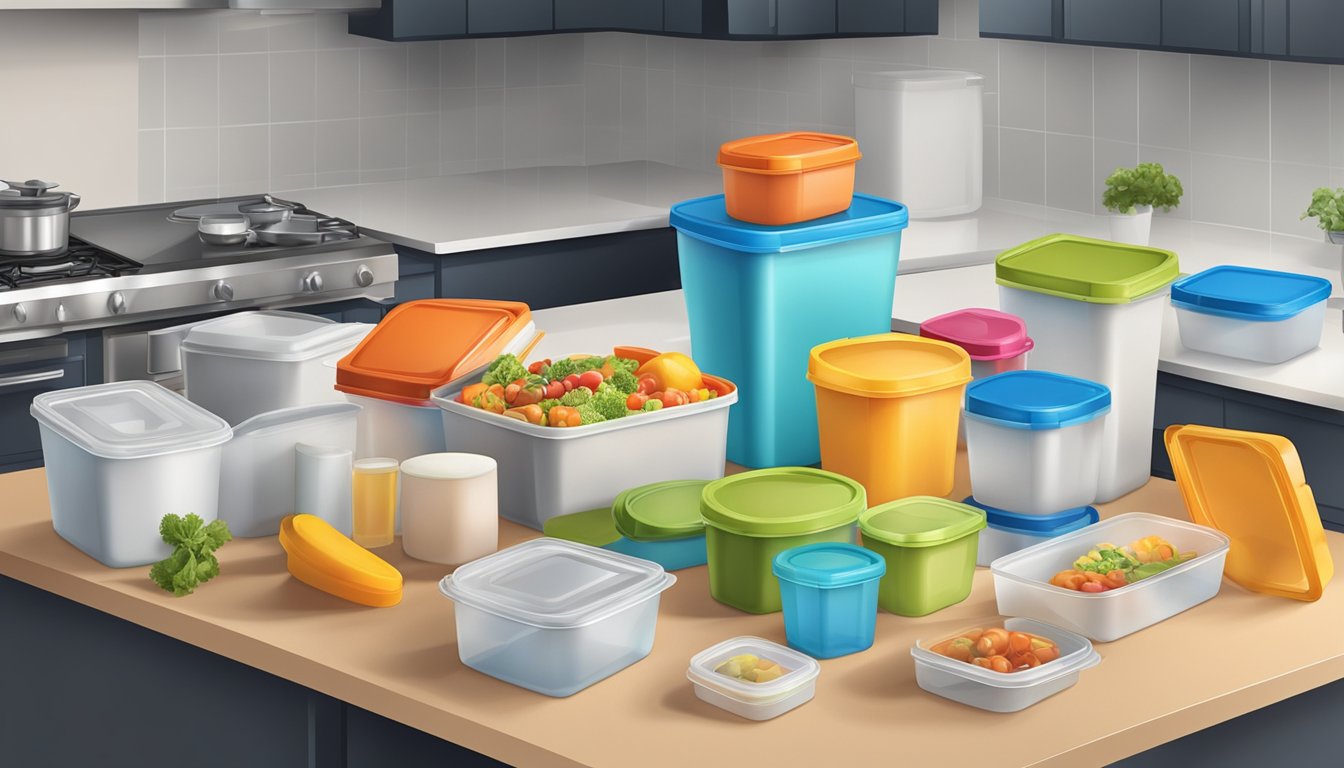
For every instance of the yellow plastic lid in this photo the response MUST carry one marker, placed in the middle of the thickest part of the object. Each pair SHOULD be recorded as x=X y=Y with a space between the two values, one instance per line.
x=324 y=558
x=1251 y=487
x=888 y=365
x=788 y=152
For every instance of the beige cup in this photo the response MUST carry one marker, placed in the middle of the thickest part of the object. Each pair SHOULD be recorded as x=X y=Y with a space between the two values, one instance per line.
x=449 y=507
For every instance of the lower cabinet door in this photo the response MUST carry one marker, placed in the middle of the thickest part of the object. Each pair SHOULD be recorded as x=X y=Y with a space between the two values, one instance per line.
x=20 y=438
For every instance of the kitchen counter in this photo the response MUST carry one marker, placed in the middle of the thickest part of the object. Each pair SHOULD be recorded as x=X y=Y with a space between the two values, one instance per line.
x=401 y=662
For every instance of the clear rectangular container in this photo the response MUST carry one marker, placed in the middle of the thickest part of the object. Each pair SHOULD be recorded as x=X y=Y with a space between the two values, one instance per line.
x=754 y=701
x=1022 y=580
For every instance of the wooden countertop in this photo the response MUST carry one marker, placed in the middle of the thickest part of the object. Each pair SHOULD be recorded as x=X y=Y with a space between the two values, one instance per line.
x=1231 y=655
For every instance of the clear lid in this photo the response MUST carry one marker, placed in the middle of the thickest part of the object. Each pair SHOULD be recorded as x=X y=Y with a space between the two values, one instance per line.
x=282 y=419
x=272 y=335
x=555 y=584
x=129 y=420
x=799 y=670
x=1075 y=654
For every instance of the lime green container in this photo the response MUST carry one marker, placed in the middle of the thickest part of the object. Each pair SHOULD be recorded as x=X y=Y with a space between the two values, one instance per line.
x=929 y=545
x=752 y=517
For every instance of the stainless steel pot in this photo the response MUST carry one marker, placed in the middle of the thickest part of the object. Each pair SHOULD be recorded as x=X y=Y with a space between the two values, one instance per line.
x=34 y=220
x=269 y=210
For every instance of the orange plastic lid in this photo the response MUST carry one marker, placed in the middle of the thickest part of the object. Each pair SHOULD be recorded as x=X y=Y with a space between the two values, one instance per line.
x=423 y=345
x=1251 y=487
x=788 y=152
x=324 y=558
x=888 y=365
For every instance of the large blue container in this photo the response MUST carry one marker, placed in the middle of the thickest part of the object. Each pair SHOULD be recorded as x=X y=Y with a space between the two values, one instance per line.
x=759 y=298
x=829 y=594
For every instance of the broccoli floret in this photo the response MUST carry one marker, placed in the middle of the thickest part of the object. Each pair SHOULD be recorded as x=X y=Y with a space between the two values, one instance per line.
x=589 y=414
x=562 y=368
x=576 y=397
x=610 y=402
x=504 y=371
x=622 y=364
x=624 y=381
x=548 y=404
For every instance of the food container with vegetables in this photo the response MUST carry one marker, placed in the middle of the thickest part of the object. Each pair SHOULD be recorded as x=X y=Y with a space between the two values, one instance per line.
x=759 y=298
x=1253 y=314
x=326 y=559
x=750 y=518
x=1113 y=578
x=1007 y=532
x=753 y=678
x=929 y=545
x=996 y=342
x=786 y=178
x=829 y=592
x=119 y=457
x=1033 y=440
x=1003 y=668
x=553 y=616
x=577 y=431
x=887 y=407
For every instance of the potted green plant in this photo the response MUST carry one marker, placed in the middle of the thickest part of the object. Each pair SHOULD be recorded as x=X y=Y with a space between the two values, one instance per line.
x=1327 y=207
x=1130 y=196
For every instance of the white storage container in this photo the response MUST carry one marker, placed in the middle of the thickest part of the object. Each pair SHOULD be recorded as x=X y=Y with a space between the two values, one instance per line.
x=1000 y=692
x=119 y=457
x=449 y=507
x=257 y=481
x=1008 y=532
x=1252 y=314
x=1022 y=580
x=754 y=701
x=553 y=616
x=1033 y=440
x=247 y=363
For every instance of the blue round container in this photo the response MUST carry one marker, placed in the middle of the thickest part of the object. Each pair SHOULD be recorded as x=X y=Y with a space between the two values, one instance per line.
x=829 y=593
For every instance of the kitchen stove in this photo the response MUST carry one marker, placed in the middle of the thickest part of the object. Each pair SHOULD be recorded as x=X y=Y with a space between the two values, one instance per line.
x=80 y=259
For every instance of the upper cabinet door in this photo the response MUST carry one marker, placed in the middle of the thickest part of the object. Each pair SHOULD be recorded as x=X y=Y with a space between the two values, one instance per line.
x=1316 y=29
x=1204 y=25
x=870 y=17
x=805 y=17
x=504 y=17
x=1017 y=18
x=634 y=15
x=412 y=19
x=1118 y=22
x=751 y=17
x=683 y=16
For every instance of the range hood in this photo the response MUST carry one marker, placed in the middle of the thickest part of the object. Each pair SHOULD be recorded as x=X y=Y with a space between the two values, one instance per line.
x=305 y=6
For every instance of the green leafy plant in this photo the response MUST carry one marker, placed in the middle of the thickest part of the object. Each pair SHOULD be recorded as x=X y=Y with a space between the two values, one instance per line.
x=1145 y=184
x=1327 y=207
x=193 y=560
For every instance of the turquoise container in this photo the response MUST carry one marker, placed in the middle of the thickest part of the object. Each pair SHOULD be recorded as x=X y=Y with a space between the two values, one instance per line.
x=760 y=297
x=829 y=594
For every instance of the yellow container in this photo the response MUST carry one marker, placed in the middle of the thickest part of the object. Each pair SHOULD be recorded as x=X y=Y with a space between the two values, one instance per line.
x=374 y=502
x=887 y=412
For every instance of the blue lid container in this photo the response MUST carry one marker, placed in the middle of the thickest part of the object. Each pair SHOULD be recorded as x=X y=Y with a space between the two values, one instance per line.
x=1247 y=293
x=829 y=595
x=1036 y=399
x=707 y=219
x=1045 y=526
x=829 y=564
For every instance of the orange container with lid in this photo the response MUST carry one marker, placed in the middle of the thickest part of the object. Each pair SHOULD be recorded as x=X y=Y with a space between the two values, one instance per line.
x=324 y=558
x=785 y=178
x=1251 y=487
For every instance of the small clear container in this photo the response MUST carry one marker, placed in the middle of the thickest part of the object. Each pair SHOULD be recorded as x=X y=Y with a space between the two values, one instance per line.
x=374 y=501
x=754 y=701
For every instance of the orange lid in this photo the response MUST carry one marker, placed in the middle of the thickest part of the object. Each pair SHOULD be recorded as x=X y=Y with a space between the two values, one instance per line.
x=423 y=345
x=788 y=152
x=324 y=558
x=1251 y=487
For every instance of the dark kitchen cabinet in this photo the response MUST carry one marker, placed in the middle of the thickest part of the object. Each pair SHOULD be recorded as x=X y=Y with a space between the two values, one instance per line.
x=507 y=17
x=1122 y=22
x=871 y=16
x=27 y=369
x=1205 y=25
x=1316 y=29
x=1029 y=19
x=684 y=17
x=412 y=20
x=633 y=15
x=806 y=17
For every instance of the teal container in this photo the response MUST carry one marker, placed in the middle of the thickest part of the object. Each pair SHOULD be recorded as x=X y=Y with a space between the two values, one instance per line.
x=759 y=298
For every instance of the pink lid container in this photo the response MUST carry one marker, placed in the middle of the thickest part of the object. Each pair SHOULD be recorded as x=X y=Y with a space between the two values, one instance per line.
x=985 y=334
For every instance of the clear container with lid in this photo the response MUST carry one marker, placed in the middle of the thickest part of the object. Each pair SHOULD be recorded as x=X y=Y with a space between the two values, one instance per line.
x=1259 y=315
x=119 y=457
x=745 y=698
x=996 y=341
x=553 y=616
x=929 y=545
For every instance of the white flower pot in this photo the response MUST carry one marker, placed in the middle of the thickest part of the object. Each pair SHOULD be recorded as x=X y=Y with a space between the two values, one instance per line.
x=1335 y=237
x=1132 y=228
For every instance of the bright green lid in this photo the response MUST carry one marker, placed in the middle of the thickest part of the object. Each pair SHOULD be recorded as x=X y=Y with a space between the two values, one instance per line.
x=658 y=511
x=920 y=521
x=1083 y=269
x=594 y=527
x=782 y=501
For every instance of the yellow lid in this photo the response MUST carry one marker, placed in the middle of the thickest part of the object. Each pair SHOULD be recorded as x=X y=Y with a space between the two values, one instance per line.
x=888 y=365
x=323 y=558
x=1251 y=487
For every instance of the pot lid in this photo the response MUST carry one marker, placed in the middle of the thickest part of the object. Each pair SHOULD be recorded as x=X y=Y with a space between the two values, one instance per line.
x=129 y=420
x=1037 y=525
x=782 y=501
x=272 y=335
x=792 y=152
x=829 y=564
x=920 y=521
x=1037 y=399
x=1247 y=293
x=593 y=527
x=667 y=510
x=33 y=193
x=1083 y=269
x=985 y=334
x=888 y=365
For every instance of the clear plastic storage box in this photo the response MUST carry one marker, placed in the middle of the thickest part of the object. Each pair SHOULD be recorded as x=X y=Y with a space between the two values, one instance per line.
x=754 y=701
x=1253 y=314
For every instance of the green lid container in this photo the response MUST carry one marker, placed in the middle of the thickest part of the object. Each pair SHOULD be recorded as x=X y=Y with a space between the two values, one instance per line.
x=782 y=501
x=660 y=511
x=1084 y=269
x=920 y=521
x=594 y=527
x=930 y=547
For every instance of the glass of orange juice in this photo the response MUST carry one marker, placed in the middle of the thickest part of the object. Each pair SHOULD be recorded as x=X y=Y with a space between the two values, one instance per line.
x=374 y=501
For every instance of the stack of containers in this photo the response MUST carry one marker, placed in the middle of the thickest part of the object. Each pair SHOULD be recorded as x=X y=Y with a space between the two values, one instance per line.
x=996 y=342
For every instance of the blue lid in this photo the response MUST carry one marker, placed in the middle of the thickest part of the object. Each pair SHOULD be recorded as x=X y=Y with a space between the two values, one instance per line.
x=705 y=218
x=1036 y=399
x=1038 y=525
x=829 y=564
x=1247 y=293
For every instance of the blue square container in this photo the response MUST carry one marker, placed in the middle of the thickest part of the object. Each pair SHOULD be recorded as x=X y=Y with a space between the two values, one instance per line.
x=829 y=593
x=759 y=298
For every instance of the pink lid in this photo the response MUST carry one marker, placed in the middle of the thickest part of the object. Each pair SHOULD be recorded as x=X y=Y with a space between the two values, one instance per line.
x=985 y=334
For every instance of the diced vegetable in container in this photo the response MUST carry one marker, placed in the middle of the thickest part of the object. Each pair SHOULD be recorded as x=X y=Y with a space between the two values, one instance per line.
x=726 y=676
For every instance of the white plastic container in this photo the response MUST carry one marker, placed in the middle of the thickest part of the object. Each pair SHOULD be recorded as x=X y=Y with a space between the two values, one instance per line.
x=754 y=701
x=449 y=507
x=997 y=691
x=553 y=616
x=119 y=457
x=1022 y=580
x=244 y=364
x=545 y=472
x=1252 y=314
x=322 y=484
x=257 y=479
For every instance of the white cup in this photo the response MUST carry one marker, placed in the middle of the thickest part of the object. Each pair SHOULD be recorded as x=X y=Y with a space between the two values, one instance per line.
x=322 y=484
x=449 y=507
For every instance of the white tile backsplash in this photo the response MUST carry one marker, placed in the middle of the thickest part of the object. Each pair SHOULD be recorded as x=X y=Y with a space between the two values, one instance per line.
x=292 y=86
x=1022 y=83
x=1068 y=172
x=244 y=83
x=151 y=93
x=1229 y=106
x=190 y=92
x=1299 y=116
x=244 y=159
x=1022 y=165
x=1164 y=99
x=1115 y=89
x=1229 y=190
x=1068 y=89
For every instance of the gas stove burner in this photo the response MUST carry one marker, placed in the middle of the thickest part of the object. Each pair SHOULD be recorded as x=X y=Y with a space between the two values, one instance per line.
x=79 y=259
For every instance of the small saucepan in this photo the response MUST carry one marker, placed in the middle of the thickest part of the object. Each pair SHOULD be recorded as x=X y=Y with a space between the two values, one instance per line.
x=223 y=229
x=267 y=211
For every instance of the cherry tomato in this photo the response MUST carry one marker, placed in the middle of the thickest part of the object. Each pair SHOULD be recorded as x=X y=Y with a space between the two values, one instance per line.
x=1116 y=579
x=993 y=642
x=538 y=365
x=635 y=401
x=590 y=379
x=571 y=381
x=555 y=389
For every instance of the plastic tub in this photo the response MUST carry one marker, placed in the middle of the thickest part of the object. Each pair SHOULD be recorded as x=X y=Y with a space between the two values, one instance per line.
x=119 y=457
x=1252 y=314
x=549 y=471
x=1008 y=532
x=1034 y=439
x=449 y=507
x=752 y=517
x=1005 y=692
x=553 y=616
x=759 y=298
x=662 y=523
x=596 y=528
x=1095 y=309
x=754 y=701
x=996 y=342
x=929 y=545
x=887 y=407
x=785 y=178
x=829 y=593
x=1021 y=580
x=248 y=363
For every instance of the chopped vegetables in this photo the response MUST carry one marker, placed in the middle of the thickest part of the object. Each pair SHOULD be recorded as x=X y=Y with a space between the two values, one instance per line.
x=577 y=396
x=999 y=649
x=752 y=669
x=504 y=369
x=1110 y=567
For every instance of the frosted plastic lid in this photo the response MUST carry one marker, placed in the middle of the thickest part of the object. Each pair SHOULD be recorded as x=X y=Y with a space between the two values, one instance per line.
x=985 y=334
x=888 y=365
x=1037 y=400
x=286 y=418
x=555 y=584
x=801 y=670
x=272 y=335
x=920 y=521
x=707 y=219
x=917 y=79
x=1249 y=294
x=129 y=420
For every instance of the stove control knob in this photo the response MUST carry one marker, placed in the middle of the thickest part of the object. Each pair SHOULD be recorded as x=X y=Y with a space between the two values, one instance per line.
x=312 y=282
x=20 y=314
x=222 y=291
x=60 y=313
x=363 y=276
x=116 y=303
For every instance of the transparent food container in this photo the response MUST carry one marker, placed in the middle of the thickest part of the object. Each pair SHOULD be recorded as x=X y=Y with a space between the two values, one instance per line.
x=754 y=701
